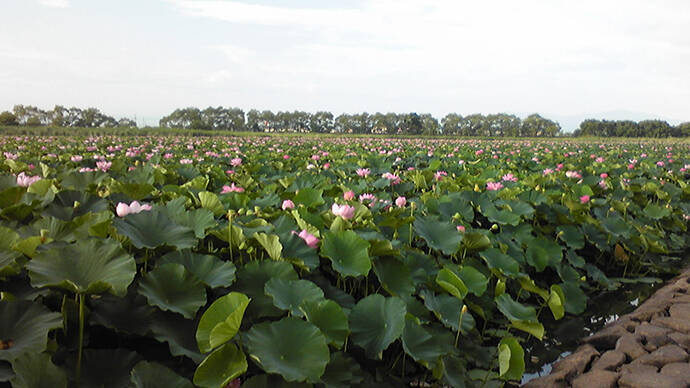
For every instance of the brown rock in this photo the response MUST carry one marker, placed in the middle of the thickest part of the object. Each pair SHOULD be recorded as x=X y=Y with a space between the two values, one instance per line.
x=680 y=370
x=610 y=360
x=683 y=340
x=606 y=338
x=577 y=362
x=649 y=380
x=596 y=378
x=630 y=345
x=638 y=368
x=681 y=298
x=674 y=324
x=664 y=355
x=680 y=311
x=653 y=335
x=555 y=380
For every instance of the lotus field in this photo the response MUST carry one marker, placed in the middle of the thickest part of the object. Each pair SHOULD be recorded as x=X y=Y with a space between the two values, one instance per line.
x=318 y=261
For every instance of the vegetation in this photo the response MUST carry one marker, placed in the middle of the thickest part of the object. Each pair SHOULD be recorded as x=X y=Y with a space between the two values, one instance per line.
x=330 y=261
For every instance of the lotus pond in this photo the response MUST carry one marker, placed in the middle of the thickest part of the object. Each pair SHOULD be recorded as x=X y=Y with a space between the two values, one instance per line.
x=337 y=262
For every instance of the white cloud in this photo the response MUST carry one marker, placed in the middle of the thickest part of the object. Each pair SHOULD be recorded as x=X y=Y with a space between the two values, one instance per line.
x=55 y=3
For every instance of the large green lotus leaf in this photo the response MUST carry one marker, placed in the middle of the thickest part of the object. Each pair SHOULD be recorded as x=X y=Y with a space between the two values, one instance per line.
x=513 y=310
x=290 y=294
x=496 y=259
x=571 y=235
x=426 y=344
x=511 y=359
x=178 y=332
x=448 y=310
x=273 y=381
x=107 y=368
x=475 y=281
x=349 y=253
x=221 y=321
x=251 y=280
x=343 y=372
x=152 y=229
x=616 y=226
x=26 y=324
x=271 y=243
x=299 y=253
x=153 y=375
x=656 y=212
x=542 y=252
x=199 y=220
x=475 y=241
x=394 y=276
x=330 y=318
x=171 y=287
x=211 y=270
x=439 y=235
x=80 y=181
x=502 y=217
x=130 y=314
x=36 y=370
x=211 y=202
x=221 y=367
x=575 y=299
x=89 y=266
x=375 y=322
x=8 y=266
x=135 y=191
x=291 y=347
x=309 y=197
x=452 y=283
x=70 y=204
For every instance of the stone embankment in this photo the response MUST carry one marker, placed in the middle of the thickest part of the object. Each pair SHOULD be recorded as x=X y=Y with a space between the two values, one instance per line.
x=649 y=347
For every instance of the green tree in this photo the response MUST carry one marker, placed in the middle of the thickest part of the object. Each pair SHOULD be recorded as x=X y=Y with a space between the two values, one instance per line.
x=8 y=118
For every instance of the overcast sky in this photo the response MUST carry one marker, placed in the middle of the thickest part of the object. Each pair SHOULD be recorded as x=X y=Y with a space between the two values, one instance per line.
x=147 y=57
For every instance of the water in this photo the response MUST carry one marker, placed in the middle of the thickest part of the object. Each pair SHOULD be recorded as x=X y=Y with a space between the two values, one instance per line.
x=563 y=337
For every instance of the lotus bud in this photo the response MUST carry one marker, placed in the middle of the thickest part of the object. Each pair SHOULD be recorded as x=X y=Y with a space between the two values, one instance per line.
x=494 y=227
x=76 y=204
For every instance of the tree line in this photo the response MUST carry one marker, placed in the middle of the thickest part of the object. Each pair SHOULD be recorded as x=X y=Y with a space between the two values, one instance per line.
x=453 y=124
x=234 y=119
x=628 y=128
x=60 y=116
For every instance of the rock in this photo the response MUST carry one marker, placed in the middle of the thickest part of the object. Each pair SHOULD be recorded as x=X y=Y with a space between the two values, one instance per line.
x=684 y=298
x=649 y=380
x=664 y=355
x=683 y=340
x=596 y=378
x=680 y=311
x=653 y=335
x=555 y=380
x=606 y=338
x=610 y=360
x=674 y=324
x=638 y=368
x=680 y=370
x=631 y=346
x=577 y=362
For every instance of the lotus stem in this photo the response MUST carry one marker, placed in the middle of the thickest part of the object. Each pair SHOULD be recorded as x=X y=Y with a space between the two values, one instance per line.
x=81 y=336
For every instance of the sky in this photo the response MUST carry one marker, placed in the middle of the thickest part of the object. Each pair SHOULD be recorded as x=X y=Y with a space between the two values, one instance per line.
x=566 y=60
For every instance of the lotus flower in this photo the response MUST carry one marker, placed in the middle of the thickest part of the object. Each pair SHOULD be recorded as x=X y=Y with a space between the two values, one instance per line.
x=493 y=186
x=400 y=201
x=135 y=207
x=584 y=199
x=24 y=180
x=232 y=189
x=345 y=211
x=363 y=172
x=308 y=238
x=348 y=195
x=287 y=204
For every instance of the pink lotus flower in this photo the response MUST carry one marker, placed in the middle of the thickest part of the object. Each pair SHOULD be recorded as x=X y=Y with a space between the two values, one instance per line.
x=326 y=166
x=287 y=204
x=493 y=186
x=186 y=161
x=573 y=174
x=363 y=172
x=461 y=229
x=232 y=189
x=76 y=158
x=439 y=175
x=286 y=157
x=603 y=175
x=509 y=178
x=24 y=180
x=584 y=199
x=103 y=165
x=631 y=166
x=391 y=177
x=559 y=166
x=236 y=162
x=345 y=211
x=599 y=160
x=308 y=238
x=602 y=184
x=367 y=197
x=135 y=207
x=400 y=201
x=548 y=171
x=348 y=195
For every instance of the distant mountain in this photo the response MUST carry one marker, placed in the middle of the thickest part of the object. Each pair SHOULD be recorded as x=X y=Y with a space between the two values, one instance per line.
x=569 y=123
